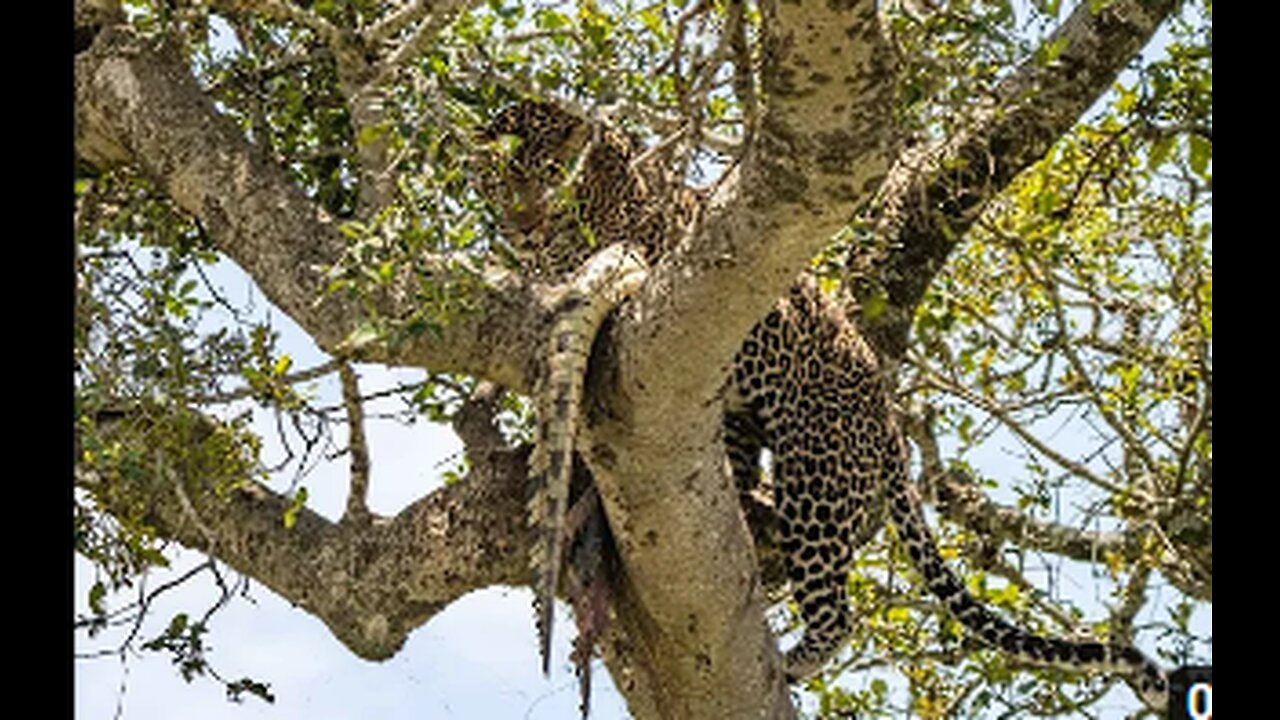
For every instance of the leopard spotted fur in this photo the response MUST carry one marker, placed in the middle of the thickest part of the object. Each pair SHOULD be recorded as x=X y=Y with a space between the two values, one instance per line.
x=807 y=387
x=804 y=385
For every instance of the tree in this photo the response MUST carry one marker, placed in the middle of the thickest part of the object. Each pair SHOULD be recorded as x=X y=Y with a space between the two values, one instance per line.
x=1051 y=270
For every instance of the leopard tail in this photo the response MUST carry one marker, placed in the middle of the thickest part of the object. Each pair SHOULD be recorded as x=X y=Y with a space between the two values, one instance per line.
x=905 y=511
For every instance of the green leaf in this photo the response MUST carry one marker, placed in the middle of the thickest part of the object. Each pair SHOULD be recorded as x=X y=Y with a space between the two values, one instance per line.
x=291 y=513
x=282 y=366
x=1128 y=100
x=235 y=690
x=175 y=308
x=1051 y=49
x=96 y=595
x=551 y=20
x=1160 y=152
x=386 y=270
x=353 y=229
x=1201 y=154
x=372 y=134
x=653 y=22
x=177 y=625
x=875 y=305
x=898 y=615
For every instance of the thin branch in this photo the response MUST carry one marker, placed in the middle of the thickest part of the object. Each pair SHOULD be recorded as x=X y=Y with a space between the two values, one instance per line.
x=743 y=72
x=247 y=392
x=672 y=61
x=357 y=510
x=660 y=147
x=1001 y=568
x=1135 y=597
x=1000 y=413
x=667 y=124
x=528 y=36
x=937 y=191
x=211 y=540
x=959 y=499
x=1201 y=420
x=1034 y=270
x=143 y=604
x=393 y=23
x=286 y=11
x=395 y=390
x=246 y=79
x=443 y=13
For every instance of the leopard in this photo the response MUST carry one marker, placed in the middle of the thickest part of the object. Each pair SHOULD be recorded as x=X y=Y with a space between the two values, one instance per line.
x=807 y=387
x=804 y=385
x=602 y=199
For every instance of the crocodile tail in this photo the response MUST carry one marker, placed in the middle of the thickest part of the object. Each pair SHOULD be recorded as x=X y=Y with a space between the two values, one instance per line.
x=608 y=278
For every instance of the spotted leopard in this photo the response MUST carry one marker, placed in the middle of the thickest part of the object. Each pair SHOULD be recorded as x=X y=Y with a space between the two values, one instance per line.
x=807 y=387
x=804 y=385
x=569 y=188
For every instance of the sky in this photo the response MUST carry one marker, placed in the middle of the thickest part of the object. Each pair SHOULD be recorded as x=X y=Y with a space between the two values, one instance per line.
x=477 y=659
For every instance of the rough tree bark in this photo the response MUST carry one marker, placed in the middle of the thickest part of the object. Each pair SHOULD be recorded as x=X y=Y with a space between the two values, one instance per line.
x=690 y=638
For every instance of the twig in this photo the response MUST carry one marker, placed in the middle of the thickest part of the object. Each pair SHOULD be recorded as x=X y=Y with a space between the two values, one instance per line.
x=1000 y=413
x=248 y=392
x=665 y=124
x=393 y=23
x=743 y=75
x=1003 y=569
x=1077 y=364
x=672 y=62
x=143 y=604
x=357 y=510
x=188 y=509
x=659 y=147
x=379 y=394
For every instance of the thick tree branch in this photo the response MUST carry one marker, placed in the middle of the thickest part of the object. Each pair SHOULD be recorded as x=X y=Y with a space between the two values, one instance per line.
x=699 y=640
x=372 y=583
x=821 y=151
x=936 y=191
x=137 y=103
